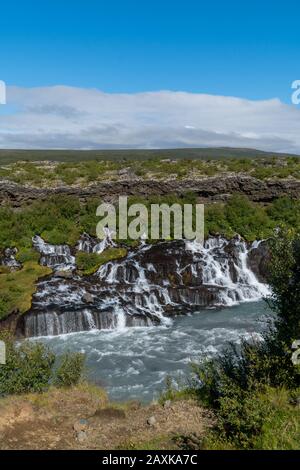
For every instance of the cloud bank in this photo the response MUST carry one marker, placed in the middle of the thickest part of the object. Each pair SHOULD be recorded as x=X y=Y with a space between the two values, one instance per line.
x=75 y=118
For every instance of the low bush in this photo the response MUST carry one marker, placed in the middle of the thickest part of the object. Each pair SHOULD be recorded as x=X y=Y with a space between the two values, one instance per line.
x=69 y=370
x=31 y=367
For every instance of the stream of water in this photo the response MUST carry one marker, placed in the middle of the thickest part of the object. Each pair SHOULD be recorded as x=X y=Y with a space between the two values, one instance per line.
x=133 y=363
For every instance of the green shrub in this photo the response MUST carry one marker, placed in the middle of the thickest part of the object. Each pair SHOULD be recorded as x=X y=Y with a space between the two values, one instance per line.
x=26 y=255
x=69 y=371
x=61 y=219
x=238 y=216
x=248 y=219
x=30 y=367
x=266 y=420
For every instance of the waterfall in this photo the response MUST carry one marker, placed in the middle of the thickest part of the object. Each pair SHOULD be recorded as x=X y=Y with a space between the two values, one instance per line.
x=231 y=273
x=57 y=257
x=148 y=287
x=89 y=319
x=92 y=245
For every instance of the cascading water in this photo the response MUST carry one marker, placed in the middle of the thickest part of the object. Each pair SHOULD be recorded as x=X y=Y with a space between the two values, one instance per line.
x=152 y=284
x=92 y=245
x=231 y=274
x=57 y=257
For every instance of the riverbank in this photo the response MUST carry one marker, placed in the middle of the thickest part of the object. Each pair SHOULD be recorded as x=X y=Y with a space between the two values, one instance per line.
x=83 y=418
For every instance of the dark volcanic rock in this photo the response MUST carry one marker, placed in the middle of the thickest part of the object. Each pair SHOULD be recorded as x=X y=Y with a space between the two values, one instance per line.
x=152 y=283
x=7 y=259
x=258 y=260
x=208 y=189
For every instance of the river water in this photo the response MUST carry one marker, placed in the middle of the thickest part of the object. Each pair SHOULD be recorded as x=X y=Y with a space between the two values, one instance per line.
x=133 y=363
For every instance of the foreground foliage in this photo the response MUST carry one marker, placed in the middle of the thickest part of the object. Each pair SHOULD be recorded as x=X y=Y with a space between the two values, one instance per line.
x=32 y=367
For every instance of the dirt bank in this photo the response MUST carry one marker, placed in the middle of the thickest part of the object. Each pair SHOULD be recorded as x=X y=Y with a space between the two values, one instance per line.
x=83 y=418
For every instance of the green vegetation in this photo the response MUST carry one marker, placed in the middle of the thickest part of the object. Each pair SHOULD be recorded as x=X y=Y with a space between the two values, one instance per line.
x=16 y=288
x=69 y=370
x=12 y=156
x=81 y=172
x=58 y=220
x=62 y=219
x=89 y=263
x=32 y=367
x=254 y=388
x=241 y=216
x=238 y=215
x=266 y=420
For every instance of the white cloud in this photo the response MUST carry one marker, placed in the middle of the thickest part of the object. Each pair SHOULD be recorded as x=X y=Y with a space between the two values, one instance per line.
x=66 y=117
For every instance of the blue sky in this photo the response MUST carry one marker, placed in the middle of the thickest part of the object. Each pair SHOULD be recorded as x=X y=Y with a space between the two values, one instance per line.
x=149 y=74
x=233 y=48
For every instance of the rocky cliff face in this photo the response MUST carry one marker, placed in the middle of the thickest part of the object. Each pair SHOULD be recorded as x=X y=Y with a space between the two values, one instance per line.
x=208 y=189
x=152 y=284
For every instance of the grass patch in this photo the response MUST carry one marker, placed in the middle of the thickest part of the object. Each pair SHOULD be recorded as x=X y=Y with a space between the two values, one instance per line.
x=53 y=398
x=17 y=288
x=89 y=263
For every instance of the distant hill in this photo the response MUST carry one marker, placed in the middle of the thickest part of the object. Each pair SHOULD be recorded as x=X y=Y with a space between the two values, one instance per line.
x=10 y=156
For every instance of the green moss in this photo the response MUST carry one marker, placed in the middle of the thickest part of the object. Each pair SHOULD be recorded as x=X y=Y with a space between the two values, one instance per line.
x=89 y=263
x=17 y=288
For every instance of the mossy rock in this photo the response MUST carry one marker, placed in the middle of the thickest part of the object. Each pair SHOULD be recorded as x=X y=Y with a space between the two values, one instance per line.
x=89 y=263
x=17 y=288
